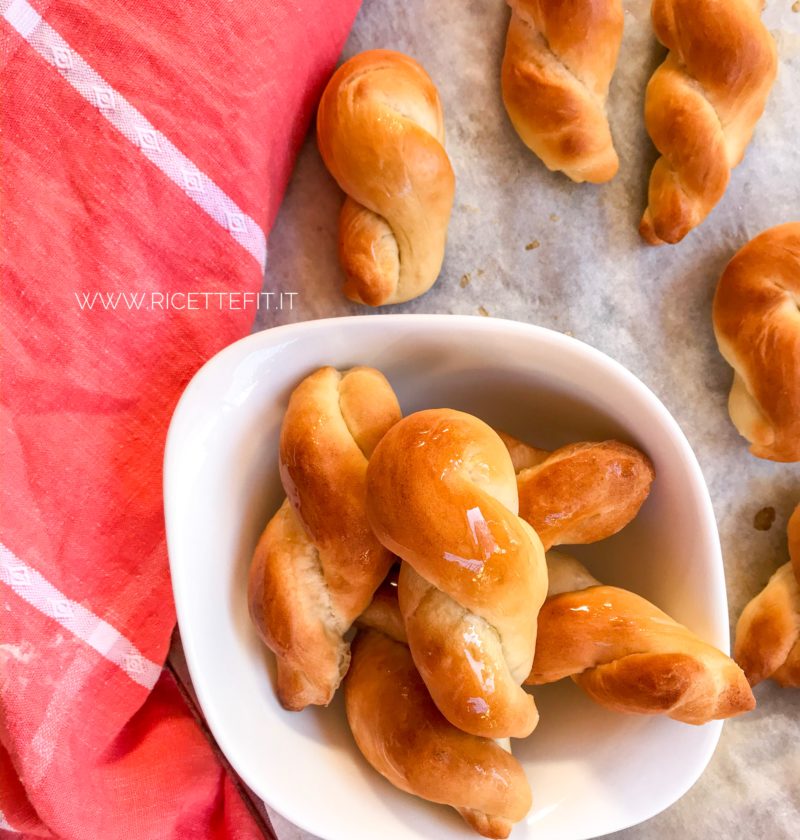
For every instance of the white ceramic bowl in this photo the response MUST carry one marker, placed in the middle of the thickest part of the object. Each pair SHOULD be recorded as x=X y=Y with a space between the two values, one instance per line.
x=591 y=771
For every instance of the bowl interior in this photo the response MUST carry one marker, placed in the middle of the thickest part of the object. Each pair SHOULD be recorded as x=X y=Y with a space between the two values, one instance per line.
x=591 y=771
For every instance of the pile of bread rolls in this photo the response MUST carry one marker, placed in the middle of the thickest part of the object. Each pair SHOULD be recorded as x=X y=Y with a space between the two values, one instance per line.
x=411 y=561
x=428 y=538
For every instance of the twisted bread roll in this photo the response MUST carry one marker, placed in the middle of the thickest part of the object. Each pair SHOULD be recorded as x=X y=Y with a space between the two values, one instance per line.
x=317 y=563
x=768 y=631
x=559 y=59
x=757 y=325
x=628 y=655
x=701 y=106
x=402 y=734
x=442 y=494
x=580 y=493
x=380 y=132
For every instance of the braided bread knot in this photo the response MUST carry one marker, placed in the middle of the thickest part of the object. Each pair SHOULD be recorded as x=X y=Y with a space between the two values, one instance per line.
x=380 y=132
x=317 y=563
x=557 y=67
x=701 y=106
x=628 y=655
x=442 y=495
x=406 y=738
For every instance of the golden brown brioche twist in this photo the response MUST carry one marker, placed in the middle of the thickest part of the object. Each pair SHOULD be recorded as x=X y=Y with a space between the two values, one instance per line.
x=317 y=564
x=582 y=492
x=380 y=132
x=442 y=495
x=768 y=632
x=559 y=59
x=757 y=325
x=628 y=655
x=701 y=106
x=407 y=740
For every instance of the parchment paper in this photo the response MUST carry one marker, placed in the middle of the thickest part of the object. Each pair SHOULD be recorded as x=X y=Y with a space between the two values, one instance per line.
x=530 y=245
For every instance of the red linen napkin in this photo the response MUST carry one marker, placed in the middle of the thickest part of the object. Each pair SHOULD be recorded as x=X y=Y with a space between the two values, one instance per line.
x=145 y=149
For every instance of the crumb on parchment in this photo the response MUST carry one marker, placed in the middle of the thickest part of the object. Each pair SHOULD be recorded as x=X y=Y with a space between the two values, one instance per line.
x=532 y=245
x=465 y=278
x=482 y=310
x=763 y=520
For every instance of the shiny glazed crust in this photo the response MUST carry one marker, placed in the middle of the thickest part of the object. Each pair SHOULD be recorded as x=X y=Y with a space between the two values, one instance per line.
x=402 y=734
x=380 y=132
x=757 y=324
x=317 y=563
x=629 y=656
x=442 y=495
x=582 y=492
x=558 y=63
x=701 y=106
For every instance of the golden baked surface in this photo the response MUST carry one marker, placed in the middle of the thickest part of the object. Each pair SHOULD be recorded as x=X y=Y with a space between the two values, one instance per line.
x=701 y=106
x=582 y=492
x=407 y=740
x=757 y=324
x=380 y=132
x=768 y=631
x=629 y=656
x=557 y=66
x=318 y=563
x=442 y=495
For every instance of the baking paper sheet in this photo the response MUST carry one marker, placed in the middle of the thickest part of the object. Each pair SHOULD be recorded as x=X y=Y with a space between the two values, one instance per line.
x=530 y=245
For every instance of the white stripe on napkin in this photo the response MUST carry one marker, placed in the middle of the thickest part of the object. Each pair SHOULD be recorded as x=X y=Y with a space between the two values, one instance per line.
x=4 y=824
x=98 y=634
x=136 y=127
